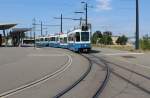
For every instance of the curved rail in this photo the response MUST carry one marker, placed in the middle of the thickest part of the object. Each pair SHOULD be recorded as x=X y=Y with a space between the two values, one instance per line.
x=43 y=79
x=124 y=78
x=77 y=82
x=101 y=88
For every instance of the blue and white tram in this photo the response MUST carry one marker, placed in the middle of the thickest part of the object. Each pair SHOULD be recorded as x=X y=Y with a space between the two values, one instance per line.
x=63 y=41
x=79 y=40
x=56 y=42
x=42 y=41
x=52 y=40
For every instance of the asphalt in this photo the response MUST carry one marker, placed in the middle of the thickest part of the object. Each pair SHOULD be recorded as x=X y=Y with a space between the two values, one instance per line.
x=23 y=66
x=130 y=73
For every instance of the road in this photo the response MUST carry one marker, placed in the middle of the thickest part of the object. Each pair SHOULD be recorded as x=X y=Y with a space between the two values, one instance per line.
x=38 y=73
x=46 y=72
x=130 y=77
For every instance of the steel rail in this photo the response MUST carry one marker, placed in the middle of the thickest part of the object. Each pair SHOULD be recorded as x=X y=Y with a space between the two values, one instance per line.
x=41 y=80
x=122 y=77
x=63 y=92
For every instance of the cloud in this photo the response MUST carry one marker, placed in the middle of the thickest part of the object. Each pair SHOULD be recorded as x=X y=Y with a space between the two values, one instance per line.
x=103 y=5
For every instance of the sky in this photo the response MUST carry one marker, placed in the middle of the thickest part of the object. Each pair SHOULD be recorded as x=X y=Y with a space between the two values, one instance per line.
x=117 y=16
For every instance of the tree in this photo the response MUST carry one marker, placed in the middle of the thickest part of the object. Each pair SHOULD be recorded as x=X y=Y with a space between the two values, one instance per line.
x=118 y=41
x=95 y=36
x=99 y=34
x=104 y=38
x=109 y=40
x=145 y=43
x=122 y=40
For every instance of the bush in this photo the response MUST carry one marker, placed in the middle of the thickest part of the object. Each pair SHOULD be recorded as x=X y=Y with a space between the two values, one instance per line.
x=104 y=38
x=145 y=43
x=122 y=40
x=96 y=36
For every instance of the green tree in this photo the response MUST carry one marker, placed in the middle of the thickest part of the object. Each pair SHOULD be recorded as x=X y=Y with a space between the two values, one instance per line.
x=122 y=40
x=145 y=43
x=96 y=36
x=109 y=40
x=118 y=41
x=106 y=40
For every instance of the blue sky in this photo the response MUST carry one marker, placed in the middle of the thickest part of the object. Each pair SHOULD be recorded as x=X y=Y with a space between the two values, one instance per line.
x=117 y=16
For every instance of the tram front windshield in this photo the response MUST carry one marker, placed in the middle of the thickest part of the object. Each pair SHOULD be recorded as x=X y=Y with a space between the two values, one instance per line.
x=85 y=36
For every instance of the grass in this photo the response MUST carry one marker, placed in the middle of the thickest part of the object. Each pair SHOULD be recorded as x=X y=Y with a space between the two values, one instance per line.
x=121 y=47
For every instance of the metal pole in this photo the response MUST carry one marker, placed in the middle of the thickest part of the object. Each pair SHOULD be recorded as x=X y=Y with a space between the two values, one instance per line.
x=61 y=24
x=30 y=35
x=80 y=21
x=34 y=40
x=41 y=28
x=137 y=25
x=86 y=15
x=4 y=37
x=4 y=33
x=34 y=24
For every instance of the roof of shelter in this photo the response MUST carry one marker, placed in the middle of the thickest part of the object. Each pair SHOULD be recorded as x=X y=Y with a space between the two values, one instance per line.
x=6 y=26
x=20 y=30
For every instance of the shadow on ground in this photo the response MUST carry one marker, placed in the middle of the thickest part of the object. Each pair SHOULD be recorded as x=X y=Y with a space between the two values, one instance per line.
x=95 y=51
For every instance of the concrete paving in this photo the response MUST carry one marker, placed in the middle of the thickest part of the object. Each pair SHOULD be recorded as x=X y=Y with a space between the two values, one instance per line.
x=118 y=87
x=136 y=58
x=21 y=67
x=30 y=65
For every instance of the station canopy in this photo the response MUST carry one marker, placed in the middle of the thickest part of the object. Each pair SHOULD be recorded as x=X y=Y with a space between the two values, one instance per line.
x=20 y=30
x=6 y=26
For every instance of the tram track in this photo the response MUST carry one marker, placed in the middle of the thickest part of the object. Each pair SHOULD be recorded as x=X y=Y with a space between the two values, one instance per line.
x=104 y=83
x=100 y=88
x=139 y=74
x=123 y=77
x=76 y=82
x=39 y=81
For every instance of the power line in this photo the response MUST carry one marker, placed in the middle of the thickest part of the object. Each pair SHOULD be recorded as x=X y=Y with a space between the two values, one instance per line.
x=61 y=19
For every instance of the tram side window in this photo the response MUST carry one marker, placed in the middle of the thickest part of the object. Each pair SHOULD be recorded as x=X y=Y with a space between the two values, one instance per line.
x=42 y=39
x=77 y=36
x=57 y=39
x=37 y=40
x=61 y=40
x=65 y=39
x=71 y=37
x=46 y=39
x=52 y=38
